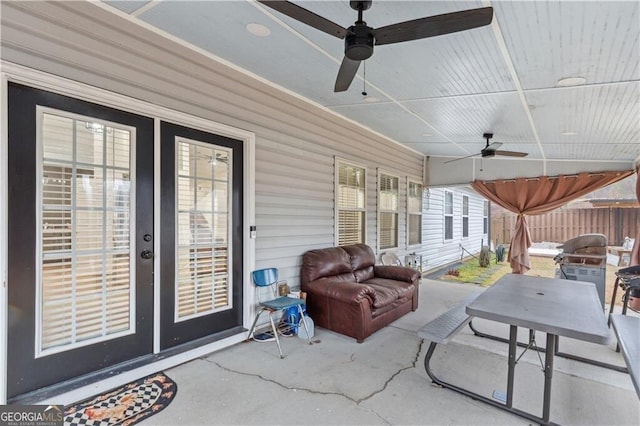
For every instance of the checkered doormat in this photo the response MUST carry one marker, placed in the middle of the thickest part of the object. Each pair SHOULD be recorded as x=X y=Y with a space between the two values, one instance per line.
x=126 y=405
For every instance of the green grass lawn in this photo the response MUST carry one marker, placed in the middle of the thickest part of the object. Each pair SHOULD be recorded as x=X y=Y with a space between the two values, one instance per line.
x=471 y=272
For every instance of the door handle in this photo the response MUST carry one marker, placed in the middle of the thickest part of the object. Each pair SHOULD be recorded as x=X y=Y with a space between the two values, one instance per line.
x=146 y=254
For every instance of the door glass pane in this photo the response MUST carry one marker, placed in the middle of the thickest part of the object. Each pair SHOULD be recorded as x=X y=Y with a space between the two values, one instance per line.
x=85 y=288
x=202 y=256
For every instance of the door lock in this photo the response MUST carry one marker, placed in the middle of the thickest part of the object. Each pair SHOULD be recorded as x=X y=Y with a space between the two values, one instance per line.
x=146 y=254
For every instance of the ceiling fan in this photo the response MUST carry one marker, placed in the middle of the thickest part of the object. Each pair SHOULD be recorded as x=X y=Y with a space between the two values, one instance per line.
x=491 y=150
x=359 y=38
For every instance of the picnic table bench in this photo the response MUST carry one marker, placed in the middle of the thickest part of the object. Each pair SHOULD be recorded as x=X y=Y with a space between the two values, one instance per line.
x=627 y=329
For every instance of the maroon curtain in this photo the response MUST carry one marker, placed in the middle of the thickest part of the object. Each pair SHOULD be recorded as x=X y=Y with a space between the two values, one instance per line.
x=635 y=252
x=531 y=196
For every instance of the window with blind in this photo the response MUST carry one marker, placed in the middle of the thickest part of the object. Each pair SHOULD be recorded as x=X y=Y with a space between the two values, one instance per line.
x=448 y=215
x=465 y=216
x=203 y=194
x=350 y=203
x=86 y=201
x=414 y=213
x=485 y=218
x=387 y=211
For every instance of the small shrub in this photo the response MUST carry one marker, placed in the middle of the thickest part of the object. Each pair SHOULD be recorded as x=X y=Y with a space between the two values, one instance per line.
x=485 y=257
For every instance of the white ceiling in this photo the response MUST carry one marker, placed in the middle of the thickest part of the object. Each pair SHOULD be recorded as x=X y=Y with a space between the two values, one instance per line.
x=439 y=95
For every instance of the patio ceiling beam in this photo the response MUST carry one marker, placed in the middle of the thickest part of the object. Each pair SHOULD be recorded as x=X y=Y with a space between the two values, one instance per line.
x=465 y=171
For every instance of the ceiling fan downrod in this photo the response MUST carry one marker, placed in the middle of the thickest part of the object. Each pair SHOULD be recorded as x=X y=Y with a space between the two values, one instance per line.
x=358 y=44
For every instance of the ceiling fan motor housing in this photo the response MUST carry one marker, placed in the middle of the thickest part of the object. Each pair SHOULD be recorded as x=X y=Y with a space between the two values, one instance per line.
x=358 y=44
x=360 y=5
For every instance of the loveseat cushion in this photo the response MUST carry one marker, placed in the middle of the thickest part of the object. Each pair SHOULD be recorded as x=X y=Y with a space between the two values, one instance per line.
x=384 y=295
x=364 y=274
x=345 y=291
x=361 y=256
x=391 y=288
x=362 y=261
x=324 y=263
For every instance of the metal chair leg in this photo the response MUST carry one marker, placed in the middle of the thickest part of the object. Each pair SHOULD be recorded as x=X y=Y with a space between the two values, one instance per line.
x=275 y=333
x=304 y=322
x=253 y=326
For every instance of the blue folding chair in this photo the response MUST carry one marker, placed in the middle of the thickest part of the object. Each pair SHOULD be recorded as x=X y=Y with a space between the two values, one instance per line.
x=264 y=278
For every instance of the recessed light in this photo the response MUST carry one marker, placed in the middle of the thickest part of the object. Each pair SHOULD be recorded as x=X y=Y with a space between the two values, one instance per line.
x=370 y=99
x=258 y=30
x=569 y=133
x=427 y=134
x=571 y=81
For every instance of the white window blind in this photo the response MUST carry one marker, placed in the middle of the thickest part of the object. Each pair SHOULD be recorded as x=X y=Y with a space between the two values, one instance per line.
x=85 y=291
x=202 y=256
x=465 y=216
x=387 y=211
x=485 y=219
x=414 y=210
x=350 y=204
x=448 y=215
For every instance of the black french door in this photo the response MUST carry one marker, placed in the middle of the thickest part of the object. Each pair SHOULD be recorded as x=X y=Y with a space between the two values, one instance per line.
x=202 y=243
x=80 y=238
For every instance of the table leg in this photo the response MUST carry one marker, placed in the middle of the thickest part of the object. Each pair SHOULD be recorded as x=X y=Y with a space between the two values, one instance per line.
x=613 y=300
x=513 y=339
x=548 y=375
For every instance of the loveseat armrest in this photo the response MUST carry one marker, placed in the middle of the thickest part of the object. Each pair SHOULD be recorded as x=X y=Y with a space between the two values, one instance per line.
x=398 y=273
x=345 y=291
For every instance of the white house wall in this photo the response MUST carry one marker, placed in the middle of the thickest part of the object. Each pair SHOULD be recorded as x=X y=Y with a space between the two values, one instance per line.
x=436 y=251
x=296 y=141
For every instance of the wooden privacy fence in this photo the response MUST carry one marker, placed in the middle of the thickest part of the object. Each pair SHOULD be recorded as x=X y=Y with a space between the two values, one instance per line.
x=561 y=225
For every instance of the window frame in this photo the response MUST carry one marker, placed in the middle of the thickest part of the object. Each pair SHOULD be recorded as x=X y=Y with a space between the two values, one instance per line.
x=445 y=215
x=414 y=213
x=485 y=217
x=465 y=216
x=338 y=161
x=382 y=211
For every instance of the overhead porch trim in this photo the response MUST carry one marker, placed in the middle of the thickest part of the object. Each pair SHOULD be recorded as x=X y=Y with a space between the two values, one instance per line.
x=465 y=171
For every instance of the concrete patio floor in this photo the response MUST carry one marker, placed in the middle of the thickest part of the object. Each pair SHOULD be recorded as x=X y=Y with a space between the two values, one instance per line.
x=383 y=380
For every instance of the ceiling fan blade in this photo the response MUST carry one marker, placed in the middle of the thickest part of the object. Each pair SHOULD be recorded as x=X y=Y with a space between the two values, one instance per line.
x=511 y=153
x=348 y=70
x=493 y=146
x=306 y=17
x=461 y=158
x=434 y=25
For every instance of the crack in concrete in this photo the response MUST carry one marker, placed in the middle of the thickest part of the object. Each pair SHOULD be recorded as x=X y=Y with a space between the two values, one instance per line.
x=394 y=375
x=339 y=394
x=275 y=382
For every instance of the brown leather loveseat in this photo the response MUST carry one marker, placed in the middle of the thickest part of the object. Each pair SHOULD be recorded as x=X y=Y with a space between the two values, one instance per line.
x=349 y=294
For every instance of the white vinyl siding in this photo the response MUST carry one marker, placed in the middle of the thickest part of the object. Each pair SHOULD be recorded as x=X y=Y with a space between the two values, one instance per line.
x=296 y=142
x=388 y=194
x=448 y=215
x=414 y=213
x=350 y=203
x=436 y=251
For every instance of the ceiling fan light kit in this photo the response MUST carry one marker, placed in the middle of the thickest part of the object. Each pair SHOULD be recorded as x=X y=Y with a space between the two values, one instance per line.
x=360 y=38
